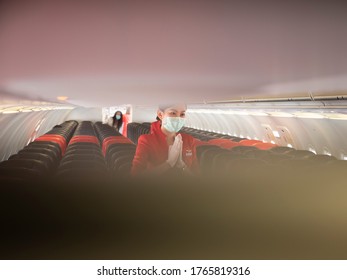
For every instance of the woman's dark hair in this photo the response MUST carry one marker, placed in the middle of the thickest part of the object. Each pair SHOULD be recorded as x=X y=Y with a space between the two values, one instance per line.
x=118 y=122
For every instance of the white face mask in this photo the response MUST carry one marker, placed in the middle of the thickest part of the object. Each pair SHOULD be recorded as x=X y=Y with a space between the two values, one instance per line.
x=173 y=124
x=118 y=117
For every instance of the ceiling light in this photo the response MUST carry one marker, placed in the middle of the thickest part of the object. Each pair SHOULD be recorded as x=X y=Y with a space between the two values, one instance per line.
x=62 y=98
x=281 y=114
x=10 y=112
x=258 y=114
x=336 y=116
x=308 y=115
x=276 y=133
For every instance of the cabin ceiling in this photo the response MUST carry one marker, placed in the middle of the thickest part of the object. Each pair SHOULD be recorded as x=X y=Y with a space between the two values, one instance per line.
x=105 y=53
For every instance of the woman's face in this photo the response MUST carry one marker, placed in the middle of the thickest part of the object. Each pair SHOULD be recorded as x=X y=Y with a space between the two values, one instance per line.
x=174 y=111
x=118 y=114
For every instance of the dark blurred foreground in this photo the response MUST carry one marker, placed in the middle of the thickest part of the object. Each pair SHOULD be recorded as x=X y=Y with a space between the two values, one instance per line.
x=253 y=216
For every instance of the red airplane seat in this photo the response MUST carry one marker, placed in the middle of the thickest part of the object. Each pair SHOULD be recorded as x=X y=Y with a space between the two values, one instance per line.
x=201 y=143
x=219 y=141
x=84 y=139
x=125 y=124
x=60 y=140
x=264 y=146
x=248 y=142
x=114 y=139
x=229 y=145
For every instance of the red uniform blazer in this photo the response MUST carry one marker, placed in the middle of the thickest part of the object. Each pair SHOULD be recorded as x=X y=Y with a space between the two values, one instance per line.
x=152 y=150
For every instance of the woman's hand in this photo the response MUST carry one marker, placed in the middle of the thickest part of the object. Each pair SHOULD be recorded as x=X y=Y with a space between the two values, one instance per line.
x=175 y=151
x=180 y=163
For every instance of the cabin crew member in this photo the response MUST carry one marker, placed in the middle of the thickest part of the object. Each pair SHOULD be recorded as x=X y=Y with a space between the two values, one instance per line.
x=117 y=121
x=164 y=149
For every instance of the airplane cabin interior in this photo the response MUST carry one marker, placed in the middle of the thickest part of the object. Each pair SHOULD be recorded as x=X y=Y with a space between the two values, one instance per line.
x=265 y=90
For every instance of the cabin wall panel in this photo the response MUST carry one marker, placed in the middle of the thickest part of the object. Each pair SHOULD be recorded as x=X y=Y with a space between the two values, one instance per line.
x=144 y=114
x=322 y=135
x=85 y=114
x=17 y=130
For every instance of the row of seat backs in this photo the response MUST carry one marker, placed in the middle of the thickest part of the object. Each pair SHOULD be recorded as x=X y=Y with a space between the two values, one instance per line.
x=60 y=134
x=39 y=159
x=85 y=128
x=104 y=131
x=223 y=140
x=204 y=135
x=66 y=129
x=118 y=150
x=135 y=130
x=231 y=143
x=216 y=160
x=119 y=158
x=83 y=158
x=83 y=153
x=248 y=153
x=109 y=135
x=50 y=154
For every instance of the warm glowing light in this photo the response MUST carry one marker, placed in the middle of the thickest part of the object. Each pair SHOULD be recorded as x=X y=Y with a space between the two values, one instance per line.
x=62 y=98
x=18 y=109
x=305 y=115
x=308 y=115
x=260 y=114
x=336 y=116
x=9 y=112
x=281 y=114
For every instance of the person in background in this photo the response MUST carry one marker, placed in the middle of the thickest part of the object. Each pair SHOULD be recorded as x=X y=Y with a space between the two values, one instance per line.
x=165 y=150
x=117 y=121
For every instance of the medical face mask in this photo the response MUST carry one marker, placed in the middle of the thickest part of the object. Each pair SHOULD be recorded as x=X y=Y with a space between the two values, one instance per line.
x=173 y=124
x=118 y=117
